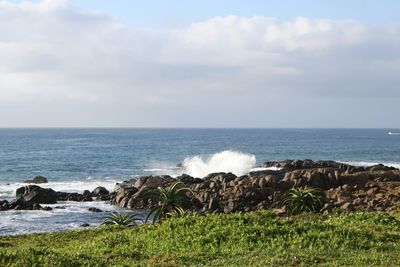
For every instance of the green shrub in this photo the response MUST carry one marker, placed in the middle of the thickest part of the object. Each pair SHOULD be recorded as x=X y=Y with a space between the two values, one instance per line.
x=171 y=201
x=299 y=200
x=122 y=219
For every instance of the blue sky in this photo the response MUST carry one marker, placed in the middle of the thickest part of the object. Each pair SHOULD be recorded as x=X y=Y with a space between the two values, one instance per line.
x=167 y=13
x=315 y=64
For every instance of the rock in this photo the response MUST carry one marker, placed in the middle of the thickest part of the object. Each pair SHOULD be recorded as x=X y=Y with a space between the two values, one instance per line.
x=4 y=205
x=87 y=193
x=213 y=204
x=187 y=179
x=230 y=207
x=103 y=197
x=64 y=196
x=379 y=167
x=92 y=209
x=37 y=180
x=99 y=191
x=85 y=225
x=36 y=194
x=348 y=206
x=152 y=182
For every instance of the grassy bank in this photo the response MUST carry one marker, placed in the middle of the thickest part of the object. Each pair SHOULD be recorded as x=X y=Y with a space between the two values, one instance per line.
x=248 y=239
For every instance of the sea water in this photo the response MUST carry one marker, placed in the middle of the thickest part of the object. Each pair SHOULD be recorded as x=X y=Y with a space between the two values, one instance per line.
x=77 y=159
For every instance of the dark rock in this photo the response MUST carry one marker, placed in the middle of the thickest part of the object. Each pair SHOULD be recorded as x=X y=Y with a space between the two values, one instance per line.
x=213 y=204
x=36 y=194
x=104 y=197
x=100 y=191
x=87 y=193
x=64 y=196
x=85 y=225
x=186 y=179
x=92 y=209
x=220 y=177
x=348 y=206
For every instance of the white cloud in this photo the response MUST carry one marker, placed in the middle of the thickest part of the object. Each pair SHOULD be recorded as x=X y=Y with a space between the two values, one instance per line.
x=61 y=66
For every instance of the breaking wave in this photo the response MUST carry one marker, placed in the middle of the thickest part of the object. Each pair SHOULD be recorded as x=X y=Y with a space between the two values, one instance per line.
x=236 y=162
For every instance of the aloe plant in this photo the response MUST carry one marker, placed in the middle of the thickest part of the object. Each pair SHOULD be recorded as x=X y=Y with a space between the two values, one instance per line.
x=122 y=219
x=171 y=201
x=299 y=200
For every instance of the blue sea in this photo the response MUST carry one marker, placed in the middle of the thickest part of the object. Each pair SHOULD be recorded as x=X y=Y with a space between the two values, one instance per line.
x=77 y=159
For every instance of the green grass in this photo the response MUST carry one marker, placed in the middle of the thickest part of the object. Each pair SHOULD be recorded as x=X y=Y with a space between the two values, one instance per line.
x=242 y=239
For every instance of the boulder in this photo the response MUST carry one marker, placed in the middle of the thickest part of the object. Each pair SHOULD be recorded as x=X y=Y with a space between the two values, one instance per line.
x=36 y=194
x=92 y=209
x=100 y=191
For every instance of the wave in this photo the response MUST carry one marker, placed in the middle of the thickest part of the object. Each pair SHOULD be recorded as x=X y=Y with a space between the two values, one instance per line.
x=236 y=162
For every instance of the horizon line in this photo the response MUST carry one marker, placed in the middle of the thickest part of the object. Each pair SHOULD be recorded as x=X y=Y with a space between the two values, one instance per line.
x=189 y=128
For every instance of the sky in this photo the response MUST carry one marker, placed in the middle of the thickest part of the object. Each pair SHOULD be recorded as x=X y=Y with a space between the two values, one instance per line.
x=272 y=64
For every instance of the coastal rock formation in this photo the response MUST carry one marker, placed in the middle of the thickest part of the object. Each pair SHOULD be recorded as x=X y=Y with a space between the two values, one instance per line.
x=30 y=197
x=19 y=204
x=345 y=187
x=37 y=194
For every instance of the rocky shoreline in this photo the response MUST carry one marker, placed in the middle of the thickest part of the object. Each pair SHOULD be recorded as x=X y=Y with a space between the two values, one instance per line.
x=344 y=187
x=30 y=197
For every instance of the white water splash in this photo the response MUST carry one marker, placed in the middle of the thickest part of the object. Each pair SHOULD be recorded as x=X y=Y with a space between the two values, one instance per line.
x=236 y=162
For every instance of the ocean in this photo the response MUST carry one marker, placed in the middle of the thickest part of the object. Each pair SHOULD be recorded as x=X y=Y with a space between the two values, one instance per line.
x=77 y=159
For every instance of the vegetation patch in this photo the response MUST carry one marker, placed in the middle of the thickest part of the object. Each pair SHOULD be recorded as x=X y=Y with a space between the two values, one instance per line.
x=240 y=239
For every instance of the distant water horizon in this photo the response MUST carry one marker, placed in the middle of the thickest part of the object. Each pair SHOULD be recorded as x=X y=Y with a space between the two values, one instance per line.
x=75 y=159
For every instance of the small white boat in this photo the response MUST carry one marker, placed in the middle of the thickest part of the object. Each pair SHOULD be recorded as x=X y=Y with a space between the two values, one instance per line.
x=391 y=133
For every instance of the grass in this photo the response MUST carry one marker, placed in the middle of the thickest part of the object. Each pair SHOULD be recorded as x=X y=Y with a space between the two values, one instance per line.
x=242 y=239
